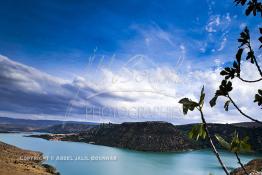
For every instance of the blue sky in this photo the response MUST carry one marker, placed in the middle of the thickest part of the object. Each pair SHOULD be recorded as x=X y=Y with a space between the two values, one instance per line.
x=50 y=34
x=58 y=37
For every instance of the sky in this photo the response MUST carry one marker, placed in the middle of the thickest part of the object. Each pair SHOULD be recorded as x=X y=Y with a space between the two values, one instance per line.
x=118 y=60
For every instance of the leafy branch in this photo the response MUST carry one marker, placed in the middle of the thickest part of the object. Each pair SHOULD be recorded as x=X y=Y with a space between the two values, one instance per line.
x=224 y=89
x=241 y=112
x=258 y=97
x=249 y=81
x=201 y=131
x=235 y=70
x=252 y=6
x=236 y=146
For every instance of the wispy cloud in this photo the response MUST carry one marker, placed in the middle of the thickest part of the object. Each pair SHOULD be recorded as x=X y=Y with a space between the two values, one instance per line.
x=213 y=23
x=222 y=44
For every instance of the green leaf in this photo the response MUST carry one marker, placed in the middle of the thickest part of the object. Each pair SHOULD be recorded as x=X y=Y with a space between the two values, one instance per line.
x=230 y=72
x=240 y=145
x=258 y=98
x=202 y=97
x=184 y=100
x=239 y=54
x=188 y=104
x=222 y=142
x=249 y=10
x=197 y=131
x=226 y=105
x=250 y=55
x=213 y=101
x=242 y=2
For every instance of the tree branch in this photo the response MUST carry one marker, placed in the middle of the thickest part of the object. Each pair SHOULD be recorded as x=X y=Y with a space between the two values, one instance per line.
x=249 y=81
x=211 y=142
x=255 y=60
x=240 y=163
x=241 y=112
x=258 y=68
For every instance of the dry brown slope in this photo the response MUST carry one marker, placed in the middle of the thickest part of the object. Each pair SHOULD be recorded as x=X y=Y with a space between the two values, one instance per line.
x=12 y=162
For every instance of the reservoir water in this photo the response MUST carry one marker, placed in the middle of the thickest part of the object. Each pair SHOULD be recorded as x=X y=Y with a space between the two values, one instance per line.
x=71 y=158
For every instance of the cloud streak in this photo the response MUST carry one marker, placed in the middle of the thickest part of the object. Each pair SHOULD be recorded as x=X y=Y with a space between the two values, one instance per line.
x=29 y=91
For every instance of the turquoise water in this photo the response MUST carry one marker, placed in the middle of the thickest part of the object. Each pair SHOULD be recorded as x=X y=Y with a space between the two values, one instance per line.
x=127 y=162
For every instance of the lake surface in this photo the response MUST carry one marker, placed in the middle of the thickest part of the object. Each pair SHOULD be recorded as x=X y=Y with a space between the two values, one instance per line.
x=83 y=158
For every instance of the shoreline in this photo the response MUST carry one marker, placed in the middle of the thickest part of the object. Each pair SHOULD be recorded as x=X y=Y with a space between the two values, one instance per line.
x=44 y=136
x=173 y=152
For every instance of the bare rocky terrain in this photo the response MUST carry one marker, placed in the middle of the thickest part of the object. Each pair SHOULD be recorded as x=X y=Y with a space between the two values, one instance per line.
x=16 y=161
x=254 y=167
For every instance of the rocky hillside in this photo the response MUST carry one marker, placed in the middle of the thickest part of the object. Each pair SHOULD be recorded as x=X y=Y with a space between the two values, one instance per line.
x=143 y=136
x=16 y=161
x=156 y=136
x=254 y=167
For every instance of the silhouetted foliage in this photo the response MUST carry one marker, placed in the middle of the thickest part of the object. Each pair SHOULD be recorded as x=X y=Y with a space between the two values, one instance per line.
x=236 y=145
x=258 y=97
x=201 y=130
x=252 y=6
x=188 y=105
x=224 y=89
x=230 y=73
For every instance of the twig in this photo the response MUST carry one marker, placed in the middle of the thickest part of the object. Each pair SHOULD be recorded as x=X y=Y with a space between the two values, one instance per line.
x=258 y=68
x=241 y=112
x=249 y=81
x=211 y=142
x=240 y=163
x=255 y=60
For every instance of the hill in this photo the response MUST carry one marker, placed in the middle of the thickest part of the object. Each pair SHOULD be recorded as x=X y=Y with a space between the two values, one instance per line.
x=14 y=160
x=156 y=136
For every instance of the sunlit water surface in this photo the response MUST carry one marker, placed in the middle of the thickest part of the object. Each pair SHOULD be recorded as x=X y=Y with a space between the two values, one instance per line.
x=201 y=162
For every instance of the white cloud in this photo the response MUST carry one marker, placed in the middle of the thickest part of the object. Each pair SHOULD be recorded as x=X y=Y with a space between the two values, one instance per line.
x=222 y=44
x=151 y=90
x=26 y=90
x=242 y=26
x=164 y=86
x=218 y=23
x=228 y=18
x=213 y=23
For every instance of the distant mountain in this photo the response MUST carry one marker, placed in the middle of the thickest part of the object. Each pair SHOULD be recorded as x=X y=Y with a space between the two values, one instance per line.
x=14 y=124
x=68 y=128
x=28 y=122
